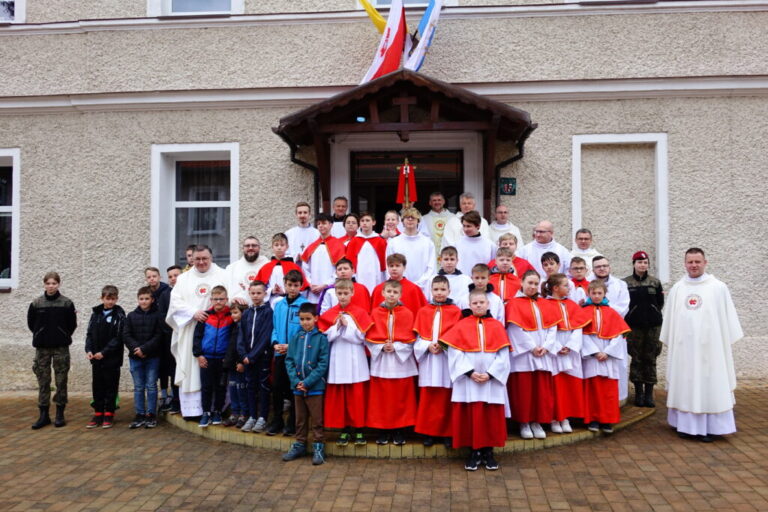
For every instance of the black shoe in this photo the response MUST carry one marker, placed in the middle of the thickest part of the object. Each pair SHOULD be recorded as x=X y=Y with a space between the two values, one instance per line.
x=607 y=428
x=289 y=432
x=448 y=442
x=165 y=404
x=648 y=396
x=150 y=421
x=489 y=460
x=593 y=426
x=138 y=421
x=639 y=394
x=43 y=420
x=706 y=439
x=274 y=429
x=429 y=441
x=398 y=439
x=59 y=421
x=683 y=435
x=383 y=439
x=473 y=461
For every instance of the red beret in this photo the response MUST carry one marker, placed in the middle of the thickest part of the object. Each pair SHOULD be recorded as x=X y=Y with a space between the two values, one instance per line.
x=640 y=255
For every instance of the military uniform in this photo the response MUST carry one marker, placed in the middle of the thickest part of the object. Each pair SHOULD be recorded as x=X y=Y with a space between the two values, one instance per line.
x=646 y=300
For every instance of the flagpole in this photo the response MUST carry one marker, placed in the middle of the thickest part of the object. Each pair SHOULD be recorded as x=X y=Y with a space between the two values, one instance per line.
x=406 y=172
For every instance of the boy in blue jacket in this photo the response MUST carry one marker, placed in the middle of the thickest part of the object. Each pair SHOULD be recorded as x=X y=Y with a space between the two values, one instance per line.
x=254 y=348
x=285 y=326
x=209 y=346
x=307 y=366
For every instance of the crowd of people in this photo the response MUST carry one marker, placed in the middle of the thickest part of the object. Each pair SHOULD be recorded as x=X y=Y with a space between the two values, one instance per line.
x=444 y=324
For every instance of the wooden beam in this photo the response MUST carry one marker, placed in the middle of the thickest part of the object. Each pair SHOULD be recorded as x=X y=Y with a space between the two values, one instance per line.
x=323 y=155
x=414 y=127
x=373 y=111
x=434 y=110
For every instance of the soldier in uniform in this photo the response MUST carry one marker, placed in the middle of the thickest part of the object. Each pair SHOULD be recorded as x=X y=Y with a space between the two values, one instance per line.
x=646 y=300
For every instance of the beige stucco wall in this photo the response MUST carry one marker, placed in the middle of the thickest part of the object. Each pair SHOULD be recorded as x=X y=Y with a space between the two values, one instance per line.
x=85 y=192
x=335 y=53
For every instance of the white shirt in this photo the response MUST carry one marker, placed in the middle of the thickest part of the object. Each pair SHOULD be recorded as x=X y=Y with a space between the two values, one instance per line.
x=459 y=284
x=337 y=230
x=615 y=348
x=300 y=238
x=473 y=250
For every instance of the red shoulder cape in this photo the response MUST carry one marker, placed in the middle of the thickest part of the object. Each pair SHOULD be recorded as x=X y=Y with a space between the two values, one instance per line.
x=426 y=317
x=575 y=317
x=464 y=335
x=613 y=325
x=334 y=245
x=378 y=244
x=361 y=298
x=265 y=272
x=521 y=265
x=511 y=285
x=412 y=298
x=584 y=283
x=402 y=330
x=359 y=315
x=519 y=311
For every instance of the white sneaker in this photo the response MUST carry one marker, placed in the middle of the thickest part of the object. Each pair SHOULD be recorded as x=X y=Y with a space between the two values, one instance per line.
x=525 y=431
x=555 y=427
x=248 y=427
x=566 y=425
x=538 y=432
x=260 y=426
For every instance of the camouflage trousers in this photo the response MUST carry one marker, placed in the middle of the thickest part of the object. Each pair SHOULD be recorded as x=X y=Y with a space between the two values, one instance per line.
x=644 y=346
x=45 y=358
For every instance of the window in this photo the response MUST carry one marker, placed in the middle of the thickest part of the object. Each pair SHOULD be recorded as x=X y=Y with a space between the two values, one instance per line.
x=194 y=7
x=415 y=3
x=194 y=201
x=9 y=218
x=13 y=11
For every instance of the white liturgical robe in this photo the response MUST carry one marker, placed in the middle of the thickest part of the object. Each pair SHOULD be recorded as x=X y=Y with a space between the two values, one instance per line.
x=532 y=252
x=454 y=229
x=241 y=273
x=433 y=225
x=497 y=230
x=419 y=252
x=300 y=238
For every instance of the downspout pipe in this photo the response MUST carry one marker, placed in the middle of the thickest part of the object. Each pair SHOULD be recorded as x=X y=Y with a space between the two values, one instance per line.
x=294 y=159
x=520 y=153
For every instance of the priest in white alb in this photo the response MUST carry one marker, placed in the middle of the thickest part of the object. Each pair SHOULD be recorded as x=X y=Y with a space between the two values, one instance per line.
x=190 y=299
x=244 y=270
x=700 y=325
x=454 y=229
x=544 y=241
x=433 y=223
x=501 y=225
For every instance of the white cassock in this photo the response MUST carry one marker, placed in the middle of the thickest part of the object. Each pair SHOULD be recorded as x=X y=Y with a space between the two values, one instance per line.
x=700 y=325
x=337 y=230
x=433 y=225
x=587 y=255
x=319 y=270
x=190 y=295
x=241 y=273
x=532 y=252
x=419 y=252
x=466 y=390
x=459 y=284
x=368 y=270
x=473 y=250
x=300 y=238
x=618 y=299
x=454 y=229
x=521 y=358
x=496 y=230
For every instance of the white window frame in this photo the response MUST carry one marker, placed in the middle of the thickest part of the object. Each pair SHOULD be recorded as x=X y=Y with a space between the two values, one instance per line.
x=11 y=157
x=19 y=13
x=422 y=3
x=163 y=179
x=661 y=180
x=157 y=8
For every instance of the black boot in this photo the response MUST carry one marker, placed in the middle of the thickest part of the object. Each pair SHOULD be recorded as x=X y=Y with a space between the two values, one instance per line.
x=59 y=420
x=639 y=394
x=43 y=420
x=648 y=396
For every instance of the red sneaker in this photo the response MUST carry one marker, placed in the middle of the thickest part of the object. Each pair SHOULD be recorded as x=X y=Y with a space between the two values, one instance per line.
x=108 y=418
x=96 y=421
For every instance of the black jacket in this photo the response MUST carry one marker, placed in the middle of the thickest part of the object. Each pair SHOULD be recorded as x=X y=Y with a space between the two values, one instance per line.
x=231 y=358
x=52 y=320
x=104 y=335
x=646 y=300
x=255 y=333
x=162 y=298
x=142 y=330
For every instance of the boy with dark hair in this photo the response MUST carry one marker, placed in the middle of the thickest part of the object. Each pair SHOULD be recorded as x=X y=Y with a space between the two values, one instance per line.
x=367 y=252
x=307 y=365
x=174 y=271
x=411 y=295
x=361 y=297
x=285 y=325
x=209 y=346
x=161 y=293
x=319 y=258
x=104 y=349
x=141 y=336
x=457 y=281
x=472 y=247
x=52 y=319
x=273 y=272
x=238 y=397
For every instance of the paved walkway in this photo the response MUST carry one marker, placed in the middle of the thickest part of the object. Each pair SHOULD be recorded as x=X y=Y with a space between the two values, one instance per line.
x=645 y=467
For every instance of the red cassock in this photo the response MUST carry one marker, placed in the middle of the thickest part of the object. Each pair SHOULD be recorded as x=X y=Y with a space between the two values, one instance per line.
x=505 y=285
x=434 y=415
x=378 y=243
x=265 y=272
x=412 y=297
x=477 y=424
x=391 y=401
x=569 y=389
x=344 y=404
x=334 y=245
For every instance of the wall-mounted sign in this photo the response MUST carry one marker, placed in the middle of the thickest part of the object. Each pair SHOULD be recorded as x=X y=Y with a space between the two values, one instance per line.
x=508 y=186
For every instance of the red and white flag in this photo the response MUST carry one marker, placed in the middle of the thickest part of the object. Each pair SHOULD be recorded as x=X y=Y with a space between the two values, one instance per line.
x=406 y=174
x=390 y=50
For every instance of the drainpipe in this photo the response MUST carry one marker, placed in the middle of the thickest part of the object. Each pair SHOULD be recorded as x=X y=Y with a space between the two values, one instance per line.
x=518 y=156
x=315 y=179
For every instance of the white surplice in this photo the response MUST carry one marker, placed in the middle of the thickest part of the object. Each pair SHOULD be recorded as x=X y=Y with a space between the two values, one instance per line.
x=348 y=363
x=300 y=238
x=241 y=273
x=419 y=252
x=532 y=251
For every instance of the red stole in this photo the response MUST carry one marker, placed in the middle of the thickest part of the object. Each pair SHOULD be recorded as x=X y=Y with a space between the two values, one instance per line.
x=425 y=318
x=519 y=311
x=584 y=283
x=574 y=317
x=378 y=244
x=334 y=245
x=412 y=297
x=265 y=272
x=511 y=285
x=360 y=316
x=402 y=325
x=465 y=335
x=612 y=324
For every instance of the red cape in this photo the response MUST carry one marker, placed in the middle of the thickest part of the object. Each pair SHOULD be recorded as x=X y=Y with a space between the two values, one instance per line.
x=613 y=325
x=450 y=314
x=378 y=243
x=412 y=297
x=464 y=335
x=584 y=283
x=402 y=330
x=265 y=272
x=575 y=316
x=519 y=311
x=511 y=285
x=334 y=245
x=359 y=315
x=521 y=266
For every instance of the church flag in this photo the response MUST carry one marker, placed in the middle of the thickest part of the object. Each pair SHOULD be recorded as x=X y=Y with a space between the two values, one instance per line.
x=378 y=20
x=406 y=174
x=423 y=36
x=390 y=50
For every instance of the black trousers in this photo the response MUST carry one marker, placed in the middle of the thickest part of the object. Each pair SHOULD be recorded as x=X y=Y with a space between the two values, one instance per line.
x=281 y=390
x=104 y=384
x=212 y=381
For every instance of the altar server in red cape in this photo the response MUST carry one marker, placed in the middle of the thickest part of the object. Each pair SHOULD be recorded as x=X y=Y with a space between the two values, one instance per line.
x=434 y=416
x=505 y=283
x=275 y=269
x=412 y=297
x=392 y=389
x=345 y=325
x=569 y=381
x=602 y=351
x=532 y=329
x=319 y=258
x=361 y=298
x=478 y=361
x=510 y=241
x=368 y=254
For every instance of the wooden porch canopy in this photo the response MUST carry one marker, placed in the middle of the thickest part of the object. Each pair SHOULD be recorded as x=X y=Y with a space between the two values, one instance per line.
x=403 y=102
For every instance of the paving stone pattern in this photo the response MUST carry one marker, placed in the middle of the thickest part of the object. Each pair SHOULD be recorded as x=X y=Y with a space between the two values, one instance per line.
x=645 y=467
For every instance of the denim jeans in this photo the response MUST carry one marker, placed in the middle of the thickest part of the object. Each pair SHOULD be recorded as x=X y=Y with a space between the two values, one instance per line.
x=238 y=396
x=144 y=373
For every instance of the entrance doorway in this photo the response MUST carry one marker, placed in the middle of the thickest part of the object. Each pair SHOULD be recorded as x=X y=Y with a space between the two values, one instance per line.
x=374 y=176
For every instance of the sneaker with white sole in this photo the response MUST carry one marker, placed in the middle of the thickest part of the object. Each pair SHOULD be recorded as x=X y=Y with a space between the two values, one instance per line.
x=260 y=426
x=538 y=432
x=555 y=427
x=249 y=424
x=525 y=431
x=566 y=426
